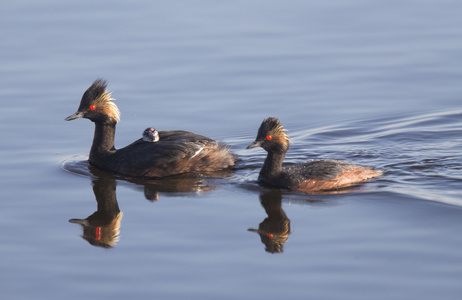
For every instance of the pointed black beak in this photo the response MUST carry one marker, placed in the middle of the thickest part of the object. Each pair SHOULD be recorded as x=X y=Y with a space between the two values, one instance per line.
x=254 y=144
x=77 y=115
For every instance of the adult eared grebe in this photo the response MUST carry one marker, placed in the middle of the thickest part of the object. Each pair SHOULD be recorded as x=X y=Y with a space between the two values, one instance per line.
x=312 y=176
x=150 y=135
x=176 y=152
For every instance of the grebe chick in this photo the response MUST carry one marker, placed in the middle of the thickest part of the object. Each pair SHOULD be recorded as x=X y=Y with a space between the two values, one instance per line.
x=176 y=152
x=150 y=135
x=312 y=176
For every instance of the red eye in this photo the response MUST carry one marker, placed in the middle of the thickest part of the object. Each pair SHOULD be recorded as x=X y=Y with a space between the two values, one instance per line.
x=269 y=137
x=92 y=107
x=270 y=235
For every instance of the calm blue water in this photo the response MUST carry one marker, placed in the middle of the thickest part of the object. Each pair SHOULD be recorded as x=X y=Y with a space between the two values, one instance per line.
x=373 y=83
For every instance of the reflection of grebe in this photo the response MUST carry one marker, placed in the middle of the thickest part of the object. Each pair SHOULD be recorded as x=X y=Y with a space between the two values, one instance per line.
x=174 y=186
x=176 y=152
x=309 y=177
x=275 y=229
x=102 y=228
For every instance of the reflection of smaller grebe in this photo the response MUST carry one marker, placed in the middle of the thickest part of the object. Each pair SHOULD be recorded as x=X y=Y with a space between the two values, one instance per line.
x=309 y=177
x=275 y=229
x=150 y=135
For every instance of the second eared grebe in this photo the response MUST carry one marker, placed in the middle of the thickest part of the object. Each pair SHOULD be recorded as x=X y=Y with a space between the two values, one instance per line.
x=150 y=135
x=176 y=152
x=312 y=176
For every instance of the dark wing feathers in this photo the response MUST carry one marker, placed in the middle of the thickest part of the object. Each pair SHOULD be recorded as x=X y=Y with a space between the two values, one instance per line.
x=174 y=146
x=327 y=169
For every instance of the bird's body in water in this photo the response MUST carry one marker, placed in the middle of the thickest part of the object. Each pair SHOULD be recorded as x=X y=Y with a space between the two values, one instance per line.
x=310 y=177
x=176 y=151
x=150 y=135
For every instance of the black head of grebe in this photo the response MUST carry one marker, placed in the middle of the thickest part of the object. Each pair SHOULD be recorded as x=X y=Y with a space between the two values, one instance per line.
x=97 y=105
x=150 y=135
x=271 y=136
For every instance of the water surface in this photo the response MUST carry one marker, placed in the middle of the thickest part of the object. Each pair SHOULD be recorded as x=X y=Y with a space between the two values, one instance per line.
x=371 y=83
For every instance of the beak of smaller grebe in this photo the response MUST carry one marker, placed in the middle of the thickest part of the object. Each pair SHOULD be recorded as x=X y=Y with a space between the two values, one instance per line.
x=253 y=145
x=77 y=115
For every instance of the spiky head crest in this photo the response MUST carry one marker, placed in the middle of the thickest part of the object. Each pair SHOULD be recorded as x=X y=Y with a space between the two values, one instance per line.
x=97 y=98
x=271 y=129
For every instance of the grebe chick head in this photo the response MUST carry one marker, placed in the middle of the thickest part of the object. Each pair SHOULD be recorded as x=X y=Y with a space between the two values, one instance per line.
x=150 y=135
x=271 y=136
x=97 y=104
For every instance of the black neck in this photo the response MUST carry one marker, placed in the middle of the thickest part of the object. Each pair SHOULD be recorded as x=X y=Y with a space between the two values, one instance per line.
x=103 y=141
x=273 y=163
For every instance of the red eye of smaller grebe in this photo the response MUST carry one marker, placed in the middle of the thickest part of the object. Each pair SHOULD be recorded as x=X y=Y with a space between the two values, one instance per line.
x=269 y=137
x=92 y=107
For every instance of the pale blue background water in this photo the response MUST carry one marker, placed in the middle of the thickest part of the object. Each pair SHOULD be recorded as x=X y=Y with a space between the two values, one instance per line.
x=374 y=83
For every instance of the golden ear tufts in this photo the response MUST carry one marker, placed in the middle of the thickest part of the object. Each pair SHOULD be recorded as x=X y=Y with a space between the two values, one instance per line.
x=107 y=106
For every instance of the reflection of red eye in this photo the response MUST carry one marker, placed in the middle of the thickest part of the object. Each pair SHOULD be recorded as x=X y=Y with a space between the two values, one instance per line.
x=92 y=107
x=269 y=137
x=98 y=233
